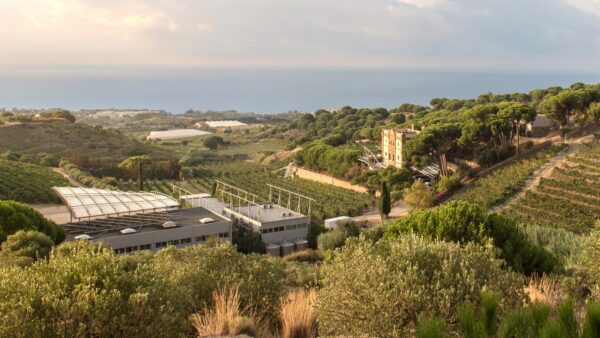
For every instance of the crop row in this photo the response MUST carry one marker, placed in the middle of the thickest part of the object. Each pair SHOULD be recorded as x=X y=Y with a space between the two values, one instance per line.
x=495 y=188
x=330 y=201
x=28 y=182
x=559 y=212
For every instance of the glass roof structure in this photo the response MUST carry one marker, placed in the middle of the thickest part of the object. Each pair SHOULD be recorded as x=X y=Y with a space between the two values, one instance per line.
x=91 y=203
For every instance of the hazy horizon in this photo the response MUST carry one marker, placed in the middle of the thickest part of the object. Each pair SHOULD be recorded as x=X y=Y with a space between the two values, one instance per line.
x=177 y=89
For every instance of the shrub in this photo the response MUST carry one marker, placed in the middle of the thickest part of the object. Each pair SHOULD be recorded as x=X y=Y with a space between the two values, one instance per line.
x=419 y=196
x=566 y=246
x=15 y=216
x=592 y=256
x=379 y=289
x=84 y=289
x=337 y=237
x=307 y=256
x=463 y=222
x=248 y=241
x=448 y=183
x=24 y=247
x=331 y=240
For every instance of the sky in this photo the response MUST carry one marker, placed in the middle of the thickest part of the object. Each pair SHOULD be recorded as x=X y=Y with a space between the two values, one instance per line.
x=61 y=35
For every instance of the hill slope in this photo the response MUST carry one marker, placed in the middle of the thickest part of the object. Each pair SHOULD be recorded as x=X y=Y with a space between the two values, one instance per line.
x=68 y=139
x=569 y=197
x=28 y=182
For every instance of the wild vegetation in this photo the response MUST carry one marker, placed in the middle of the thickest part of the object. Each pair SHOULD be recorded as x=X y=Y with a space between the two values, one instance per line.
x=454 y=270
x=69 y=139
x=463 y=222
x=15 y=216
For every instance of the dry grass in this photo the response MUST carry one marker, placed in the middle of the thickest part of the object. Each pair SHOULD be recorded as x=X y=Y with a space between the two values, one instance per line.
x=225 y=318
x=298 y=315
x=544 y=290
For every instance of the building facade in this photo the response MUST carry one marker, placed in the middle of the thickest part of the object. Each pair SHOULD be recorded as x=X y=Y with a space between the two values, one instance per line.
x=392 y=143
x=179 y=228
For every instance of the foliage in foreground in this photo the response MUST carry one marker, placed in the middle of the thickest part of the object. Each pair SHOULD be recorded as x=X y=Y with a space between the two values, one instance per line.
x=463 y=222
x=379 y=289
x=84 y=289
x=15 y=216
x=534 y=320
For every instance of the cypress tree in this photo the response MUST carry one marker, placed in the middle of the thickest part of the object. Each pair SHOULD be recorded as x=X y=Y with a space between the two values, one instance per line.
x=385 y=203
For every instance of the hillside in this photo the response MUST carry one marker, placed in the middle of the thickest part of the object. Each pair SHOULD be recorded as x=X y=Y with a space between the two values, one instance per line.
x=26 y=182
x=567 y=198
x=68 y=139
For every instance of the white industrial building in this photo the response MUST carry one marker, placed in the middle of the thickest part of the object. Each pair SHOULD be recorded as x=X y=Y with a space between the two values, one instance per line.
x=175 y=133
x=132 y=221
x=283 y=229
x=221 y=124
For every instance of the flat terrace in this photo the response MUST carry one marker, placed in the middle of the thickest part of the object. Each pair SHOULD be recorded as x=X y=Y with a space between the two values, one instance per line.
x=112 y=226
x=266 y=213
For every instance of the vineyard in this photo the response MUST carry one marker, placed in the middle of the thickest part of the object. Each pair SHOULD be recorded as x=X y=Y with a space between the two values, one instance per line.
x=569 y=198
x=503 y=183
x=163 y=186
x=28 y=182
x=330 y=201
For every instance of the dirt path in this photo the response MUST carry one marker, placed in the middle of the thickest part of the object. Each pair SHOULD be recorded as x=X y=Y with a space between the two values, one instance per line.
x=64 y=174
x=399 y=209
x=544 y=171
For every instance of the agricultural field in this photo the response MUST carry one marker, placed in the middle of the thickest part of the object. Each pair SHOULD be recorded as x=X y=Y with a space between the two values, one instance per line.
x=247 y=142
x=493 y=189
x=28 y=183
x=163 y=186
x=569 y=198
x=330 y=201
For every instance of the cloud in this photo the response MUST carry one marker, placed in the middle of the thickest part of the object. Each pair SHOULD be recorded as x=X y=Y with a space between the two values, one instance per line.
x=488 y=34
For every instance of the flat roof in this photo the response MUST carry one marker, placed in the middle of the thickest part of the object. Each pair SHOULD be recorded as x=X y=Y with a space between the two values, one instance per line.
x=176 y=133
x=110 y=227
x=270 y=213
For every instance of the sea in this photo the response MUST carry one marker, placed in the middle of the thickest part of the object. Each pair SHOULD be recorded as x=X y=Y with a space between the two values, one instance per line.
x=268 y=90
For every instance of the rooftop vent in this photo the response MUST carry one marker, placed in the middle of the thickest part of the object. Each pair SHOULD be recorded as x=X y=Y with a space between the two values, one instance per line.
x=206 y=220
x=169 y=224
x=127 y=231
x=83 y=237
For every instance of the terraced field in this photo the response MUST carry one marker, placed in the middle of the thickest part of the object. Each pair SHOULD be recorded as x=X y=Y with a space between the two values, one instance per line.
x=163 y=186
x=29 y=183
x=330 y=201
x=569 y=198
x=503 y=183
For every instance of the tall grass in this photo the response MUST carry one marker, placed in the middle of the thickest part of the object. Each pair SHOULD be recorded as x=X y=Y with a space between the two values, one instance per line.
x=225 y=318
x=298 y=314
x=544 y=290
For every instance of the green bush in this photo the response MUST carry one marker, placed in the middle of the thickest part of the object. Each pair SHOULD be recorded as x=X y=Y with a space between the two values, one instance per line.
x=449 y=183
x=566 y=246
x=380 y=289
x=24 y=247
x=336 y=238
x=463 y=222
x=85 y=290
x=15 y=216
